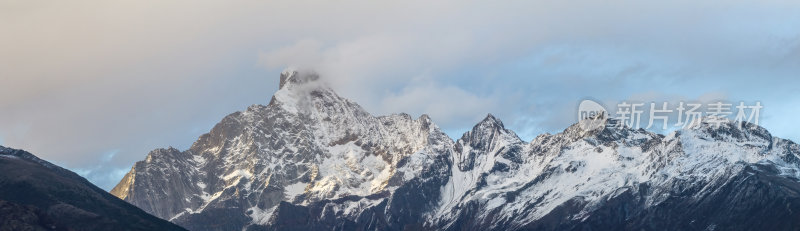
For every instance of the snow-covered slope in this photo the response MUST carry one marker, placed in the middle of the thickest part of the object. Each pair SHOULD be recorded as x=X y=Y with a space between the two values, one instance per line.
x=306 y=146
x=313 y=160
x=568 y=177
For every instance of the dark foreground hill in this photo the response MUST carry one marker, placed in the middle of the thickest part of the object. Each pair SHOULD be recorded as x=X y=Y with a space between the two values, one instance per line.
x=38 y=195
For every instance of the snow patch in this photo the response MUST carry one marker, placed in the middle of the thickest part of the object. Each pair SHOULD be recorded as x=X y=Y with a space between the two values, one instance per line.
x=260 y=216
x=295 y=189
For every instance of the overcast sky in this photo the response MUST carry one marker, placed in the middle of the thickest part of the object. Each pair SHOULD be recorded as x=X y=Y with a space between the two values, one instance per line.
x=95 y=85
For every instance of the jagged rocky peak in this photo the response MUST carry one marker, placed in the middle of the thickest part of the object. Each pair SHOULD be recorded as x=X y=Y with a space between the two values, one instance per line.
x=488 y=137
x=425 y=120
x=161 y=152
x=303 y=91
x=489 y=124
x=489 y=130
x=491 y=121
x=729 y=130
x=603 y=130
x=297 y=76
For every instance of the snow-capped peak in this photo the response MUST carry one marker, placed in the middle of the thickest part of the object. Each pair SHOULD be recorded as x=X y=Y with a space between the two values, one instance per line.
x=297 y=76
x=491 y=124
x=299 y=89
x=491 y=121
x=729 y=130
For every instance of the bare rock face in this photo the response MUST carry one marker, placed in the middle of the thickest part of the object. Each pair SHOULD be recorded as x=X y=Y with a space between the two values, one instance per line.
x=312 y=160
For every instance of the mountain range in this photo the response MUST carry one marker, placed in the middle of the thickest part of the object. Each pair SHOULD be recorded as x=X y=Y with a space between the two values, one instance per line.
x=313 y=160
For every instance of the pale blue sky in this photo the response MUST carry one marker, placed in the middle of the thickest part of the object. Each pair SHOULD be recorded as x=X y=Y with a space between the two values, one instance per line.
x=95 y=85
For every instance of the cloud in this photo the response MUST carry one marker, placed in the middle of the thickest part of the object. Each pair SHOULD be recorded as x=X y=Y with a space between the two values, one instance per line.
x=78 y=79
x=451 y=105
x=305 y=53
